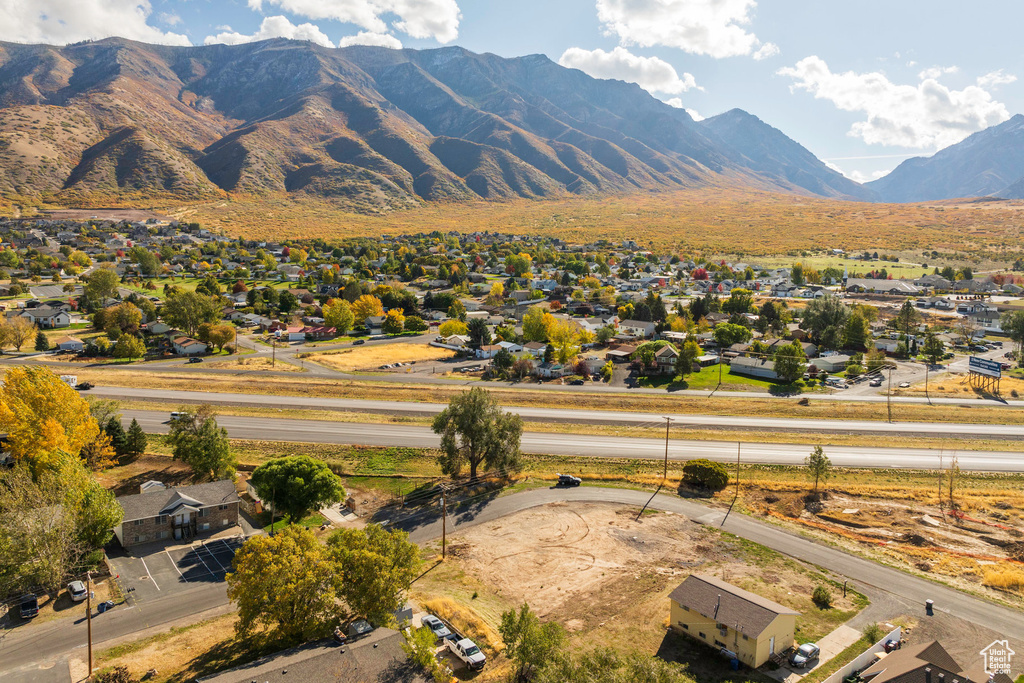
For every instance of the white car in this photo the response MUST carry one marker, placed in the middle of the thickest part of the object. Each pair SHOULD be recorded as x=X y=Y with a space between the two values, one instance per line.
x=77 y=591
x=904 y=385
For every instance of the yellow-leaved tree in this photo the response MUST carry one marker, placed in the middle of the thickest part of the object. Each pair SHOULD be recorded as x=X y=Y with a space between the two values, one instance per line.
x=43 y=417
x=366 y=306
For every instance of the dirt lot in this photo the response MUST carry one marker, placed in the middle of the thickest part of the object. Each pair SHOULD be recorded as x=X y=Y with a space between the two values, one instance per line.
x=125 y=480
x=253 y=364
x=372 y=357
x=606 y=576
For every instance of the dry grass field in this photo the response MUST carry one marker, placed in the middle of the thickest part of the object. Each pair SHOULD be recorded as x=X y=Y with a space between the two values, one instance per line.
x=372 y=357
x=711 y=221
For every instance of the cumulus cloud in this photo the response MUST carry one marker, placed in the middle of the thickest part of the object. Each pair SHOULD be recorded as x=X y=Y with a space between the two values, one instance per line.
x=765 y=51
x=274 y=27
x=694 y=115
x=705 y=27
x=936 y=71
x=650 y=73
x=69 y=21
x=437 y=19
x=926 y=115
x=368 y=38
x=995 y=78
x=170 y=18
x=859 y=177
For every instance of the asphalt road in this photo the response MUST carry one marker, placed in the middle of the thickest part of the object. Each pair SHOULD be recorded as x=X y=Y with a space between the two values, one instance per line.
x=23 y=646
x=932 y=429
x=317 y=431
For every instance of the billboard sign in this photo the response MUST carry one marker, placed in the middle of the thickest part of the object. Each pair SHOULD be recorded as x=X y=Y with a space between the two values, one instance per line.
x=983 y=366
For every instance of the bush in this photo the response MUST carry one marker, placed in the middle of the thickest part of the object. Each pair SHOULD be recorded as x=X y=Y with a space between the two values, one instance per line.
x=822 y=597
x=873 y=633
x=705 y=474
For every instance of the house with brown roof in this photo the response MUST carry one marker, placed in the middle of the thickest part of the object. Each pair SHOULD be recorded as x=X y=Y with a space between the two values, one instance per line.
x=736 y=622
x=929 y=663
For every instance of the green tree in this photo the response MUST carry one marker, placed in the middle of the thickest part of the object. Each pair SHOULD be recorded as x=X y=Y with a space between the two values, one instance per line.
x=528 y=642
x=129 y=346
x=727 y=334
x=286 y=583
x=908 y=318
x=101 y=284
x=457 y=311
x=825 y=319
x=42 y=341
x=705 y=474
x=221 y=335
x=420 y=646
x=818 y=466
x=479 y=333
x=933 y=349
x=789 y=362
x=797 y=274
x=740 y=301
x=209 y=286
x=197 y=441
x=414 y=323
x=503 y=361
x=338 y=314
x=687 y=357
x=1012 y=324
x=148 y=262
x=474 y=430
x=118 y=438
x=287 y=301
x=378 y=566
x=135 y=440
x=296 y=485
x=188 y=310
x=856 y=332
x=605 y=665
x=535 y=324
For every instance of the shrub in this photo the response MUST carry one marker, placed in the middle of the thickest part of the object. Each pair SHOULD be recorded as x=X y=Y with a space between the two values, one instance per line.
x=873 y=633
x=822 y=597
x=705 y=474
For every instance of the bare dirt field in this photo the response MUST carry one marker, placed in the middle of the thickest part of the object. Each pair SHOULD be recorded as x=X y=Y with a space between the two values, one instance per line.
x=606 y=576
x=372 y=357
x=259 y=363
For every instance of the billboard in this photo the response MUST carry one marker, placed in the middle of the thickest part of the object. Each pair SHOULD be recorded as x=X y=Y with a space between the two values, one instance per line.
x=983 y=366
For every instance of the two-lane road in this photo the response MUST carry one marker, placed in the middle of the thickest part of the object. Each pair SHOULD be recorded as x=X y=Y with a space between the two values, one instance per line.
x=317 y=431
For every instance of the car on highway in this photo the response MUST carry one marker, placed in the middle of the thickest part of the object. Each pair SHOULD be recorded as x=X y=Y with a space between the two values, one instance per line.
x=195 y=359
x=29 y=605
x=576 y=383
x=904 y=385
x=77 y=591
x=357 y=342
x=568 y=480
x=804 y=654
x=85 y=386
x=436 y=626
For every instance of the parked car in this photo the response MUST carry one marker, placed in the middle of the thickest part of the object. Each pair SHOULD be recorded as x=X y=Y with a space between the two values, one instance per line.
x=804 y=654
x=77 y=591
x=195 y=359
x=467 y=651
x=876 y=382
x=436 y=625
x=568 y=480
x=29 y=605
x=904 y=385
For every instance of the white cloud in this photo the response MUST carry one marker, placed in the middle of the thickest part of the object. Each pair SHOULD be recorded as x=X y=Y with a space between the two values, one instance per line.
x=170 y=18
x=674 y=102
x=936 y=71
x=859 y=177
x=927 y=115
x=995 y=78
x=274 y=27
x=368 y=38
x=437 y=19
x=694 y=115
x=650 y=73
x=69 y=21
x=765 y=51
x=703 y=27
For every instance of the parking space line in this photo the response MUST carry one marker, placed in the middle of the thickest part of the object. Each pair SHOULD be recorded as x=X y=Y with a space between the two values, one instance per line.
x=175 y=565
x=212 y=573
x=148 y=574
x=214 y=556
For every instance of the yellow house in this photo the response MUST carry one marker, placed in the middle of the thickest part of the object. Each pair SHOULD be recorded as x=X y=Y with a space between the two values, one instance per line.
x=744 y=626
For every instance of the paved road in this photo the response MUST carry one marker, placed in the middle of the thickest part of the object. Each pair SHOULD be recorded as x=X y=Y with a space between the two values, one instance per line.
x=908 y=590
x=54 y=640
x=317 y=431
x=571 y=415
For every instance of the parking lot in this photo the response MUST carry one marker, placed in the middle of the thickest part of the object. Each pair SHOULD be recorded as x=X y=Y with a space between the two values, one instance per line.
x=158 y=571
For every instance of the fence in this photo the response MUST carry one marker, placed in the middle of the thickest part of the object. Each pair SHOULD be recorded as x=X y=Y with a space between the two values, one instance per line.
x=865 y=659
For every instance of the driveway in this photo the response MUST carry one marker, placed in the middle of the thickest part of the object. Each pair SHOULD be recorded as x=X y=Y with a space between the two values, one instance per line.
x=831 y=645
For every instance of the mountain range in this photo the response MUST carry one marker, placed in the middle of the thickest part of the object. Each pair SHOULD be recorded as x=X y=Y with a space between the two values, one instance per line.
x=379 y=129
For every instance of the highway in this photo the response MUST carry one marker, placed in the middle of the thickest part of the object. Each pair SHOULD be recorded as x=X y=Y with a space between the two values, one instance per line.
x=317 y=431
x=626 y=418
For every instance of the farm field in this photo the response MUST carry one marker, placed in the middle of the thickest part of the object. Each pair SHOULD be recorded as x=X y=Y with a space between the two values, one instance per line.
x=742 y=223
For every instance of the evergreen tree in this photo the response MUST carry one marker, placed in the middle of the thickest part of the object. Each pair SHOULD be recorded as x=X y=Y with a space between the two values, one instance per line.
x=42 y=342
x=118 y=438
x=136 y=439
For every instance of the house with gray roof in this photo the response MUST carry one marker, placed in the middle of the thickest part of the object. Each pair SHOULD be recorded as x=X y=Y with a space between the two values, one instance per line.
x=178 y=513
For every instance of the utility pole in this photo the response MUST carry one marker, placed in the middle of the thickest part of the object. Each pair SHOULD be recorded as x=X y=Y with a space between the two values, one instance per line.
x=927 y=366
x=668 y=423
x=88 y=615
x=444 y=521
x=273 y=353
x=940 y=485
x=888 y=395
x=739 y=444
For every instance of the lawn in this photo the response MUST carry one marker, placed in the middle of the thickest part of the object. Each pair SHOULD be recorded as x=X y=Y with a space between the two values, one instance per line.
x=709 y=378
x=311 y=521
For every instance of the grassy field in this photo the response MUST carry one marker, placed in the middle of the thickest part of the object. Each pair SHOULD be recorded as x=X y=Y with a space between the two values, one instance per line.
x=709 y=378
x=372 y=357
x=742 y=223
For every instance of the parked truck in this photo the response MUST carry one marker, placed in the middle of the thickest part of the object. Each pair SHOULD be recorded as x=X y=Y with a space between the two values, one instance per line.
x=467 y=651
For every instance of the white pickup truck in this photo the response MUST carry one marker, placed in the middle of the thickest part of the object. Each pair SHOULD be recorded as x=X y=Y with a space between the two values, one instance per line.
x=467 y=651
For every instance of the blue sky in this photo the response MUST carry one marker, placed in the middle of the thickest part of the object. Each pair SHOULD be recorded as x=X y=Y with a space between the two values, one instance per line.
x=862 y=84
